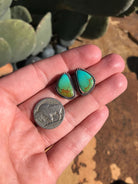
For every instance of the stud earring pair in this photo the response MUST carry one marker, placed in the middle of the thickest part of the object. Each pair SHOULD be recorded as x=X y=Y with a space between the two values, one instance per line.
x=84 y=81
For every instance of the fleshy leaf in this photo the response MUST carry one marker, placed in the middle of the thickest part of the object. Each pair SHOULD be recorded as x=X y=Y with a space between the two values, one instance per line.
x=21 y=12
x=68 y=25
x=96 y=27
x=20 y=36
x=4 y=5
x=6 y=15
x=5 y=52
x=43 y=33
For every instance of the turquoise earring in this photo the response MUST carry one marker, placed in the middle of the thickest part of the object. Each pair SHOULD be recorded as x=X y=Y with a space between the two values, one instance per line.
x=85 y=81
x=65 y=87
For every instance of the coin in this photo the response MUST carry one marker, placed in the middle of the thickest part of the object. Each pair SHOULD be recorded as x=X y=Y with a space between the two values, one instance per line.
x=48 y=113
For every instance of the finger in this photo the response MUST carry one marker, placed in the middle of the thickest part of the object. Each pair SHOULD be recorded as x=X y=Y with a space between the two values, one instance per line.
x=108 y=66
x=64 y=151
x=78 y=109
x=29 y=80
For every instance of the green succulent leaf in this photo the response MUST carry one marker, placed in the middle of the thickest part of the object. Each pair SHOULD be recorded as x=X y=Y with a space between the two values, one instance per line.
x=43 y=33
x=4 y=5
x=96 y=27
x=21 y=12
x=68 y=25
x=5 y=52
x=6 y=15
x=20 y=36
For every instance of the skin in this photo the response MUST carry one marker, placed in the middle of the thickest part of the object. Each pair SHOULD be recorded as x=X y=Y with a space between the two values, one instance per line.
x=22 y=156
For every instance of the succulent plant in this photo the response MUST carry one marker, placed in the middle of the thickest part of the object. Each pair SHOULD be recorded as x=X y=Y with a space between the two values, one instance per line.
x=68 y=24
x=6 y=15
x=5 y=52
x=94 y=7
x=18 y=39
x=21 y=12
x=20 y=36
x=99 y=26
x=43 y=33
x=27 y=26
x=4 y=5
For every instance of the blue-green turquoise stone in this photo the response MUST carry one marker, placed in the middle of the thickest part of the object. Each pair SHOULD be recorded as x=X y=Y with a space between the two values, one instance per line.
x=64 y=87
x=85 y=80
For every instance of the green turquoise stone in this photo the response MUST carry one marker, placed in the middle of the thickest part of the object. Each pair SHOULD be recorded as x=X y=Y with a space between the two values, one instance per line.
x=64 y=87
x=85 y=80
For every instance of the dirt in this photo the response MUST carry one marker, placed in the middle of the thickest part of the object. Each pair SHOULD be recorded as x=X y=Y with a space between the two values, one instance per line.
x=111 y=155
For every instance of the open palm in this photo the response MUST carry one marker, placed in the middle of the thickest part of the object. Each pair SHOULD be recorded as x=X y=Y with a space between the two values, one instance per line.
x=23 y=159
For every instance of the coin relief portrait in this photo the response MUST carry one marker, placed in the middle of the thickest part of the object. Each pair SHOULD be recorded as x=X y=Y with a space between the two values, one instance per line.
x=48 y=113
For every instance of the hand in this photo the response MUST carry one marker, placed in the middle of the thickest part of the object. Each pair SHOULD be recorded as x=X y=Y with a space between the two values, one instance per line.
x=22 y=156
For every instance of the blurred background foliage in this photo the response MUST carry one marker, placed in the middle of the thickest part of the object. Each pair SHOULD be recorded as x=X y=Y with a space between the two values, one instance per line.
x=33 y=30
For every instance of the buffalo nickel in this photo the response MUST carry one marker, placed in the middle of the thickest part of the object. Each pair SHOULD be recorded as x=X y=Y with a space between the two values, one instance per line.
x=48 y=113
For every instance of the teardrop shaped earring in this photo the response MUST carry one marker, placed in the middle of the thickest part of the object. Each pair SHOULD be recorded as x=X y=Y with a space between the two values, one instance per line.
x=65 y=87
x=85 y=81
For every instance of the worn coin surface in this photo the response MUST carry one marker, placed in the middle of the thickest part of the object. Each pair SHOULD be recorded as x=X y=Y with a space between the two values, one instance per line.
x=48 y=113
